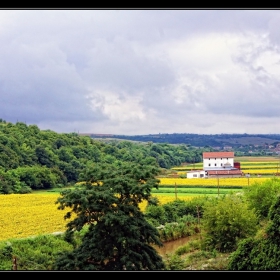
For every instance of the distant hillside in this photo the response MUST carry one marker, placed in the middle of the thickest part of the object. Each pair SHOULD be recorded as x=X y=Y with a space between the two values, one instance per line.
x=200 y=140
x=33 y=159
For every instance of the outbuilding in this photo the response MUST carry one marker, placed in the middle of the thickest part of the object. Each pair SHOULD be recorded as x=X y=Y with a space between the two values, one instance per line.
x=196 y=174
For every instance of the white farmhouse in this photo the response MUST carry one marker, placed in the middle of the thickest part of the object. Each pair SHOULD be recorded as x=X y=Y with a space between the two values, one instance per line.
x=217 y=164
x=218 y=160
x=220 y=164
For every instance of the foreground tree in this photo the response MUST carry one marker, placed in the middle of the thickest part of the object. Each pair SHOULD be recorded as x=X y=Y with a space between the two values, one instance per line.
x=118 y=236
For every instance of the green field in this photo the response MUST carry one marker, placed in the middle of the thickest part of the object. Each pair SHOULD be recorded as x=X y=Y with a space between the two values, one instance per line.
x=192 y=191
x=249 y=163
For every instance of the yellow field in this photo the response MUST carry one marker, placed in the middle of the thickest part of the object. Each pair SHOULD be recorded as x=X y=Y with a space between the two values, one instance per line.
x=210 y=181
x=261 y=171
x=24 y=215
x=259 y=163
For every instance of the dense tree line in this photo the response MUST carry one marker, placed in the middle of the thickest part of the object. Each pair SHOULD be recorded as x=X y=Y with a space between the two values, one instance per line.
x=202 y=140
x=32 y=159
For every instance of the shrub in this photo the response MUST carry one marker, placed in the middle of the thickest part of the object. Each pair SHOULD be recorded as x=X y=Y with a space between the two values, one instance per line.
x=155 y=214
x=174 y=262
x=36 y=253
x=261 y=196
x=227 y=220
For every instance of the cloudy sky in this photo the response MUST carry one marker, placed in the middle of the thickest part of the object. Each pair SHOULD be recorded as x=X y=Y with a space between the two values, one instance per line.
x=138 y=72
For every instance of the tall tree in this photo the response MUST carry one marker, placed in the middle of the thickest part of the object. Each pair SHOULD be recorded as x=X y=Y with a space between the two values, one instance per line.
x=118 y=236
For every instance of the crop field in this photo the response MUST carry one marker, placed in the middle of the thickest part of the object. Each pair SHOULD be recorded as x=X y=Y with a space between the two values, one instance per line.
x=257 y=159
x=24 y=215
x=259 y=169
x=211 y=182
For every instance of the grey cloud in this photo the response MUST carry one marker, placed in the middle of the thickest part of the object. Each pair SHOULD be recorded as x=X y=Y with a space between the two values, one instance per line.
x=117 y=71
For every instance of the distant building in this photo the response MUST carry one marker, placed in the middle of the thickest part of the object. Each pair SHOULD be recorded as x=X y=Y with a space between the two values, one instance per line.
x=217 y=164
x=196 y=174
x=218 y=160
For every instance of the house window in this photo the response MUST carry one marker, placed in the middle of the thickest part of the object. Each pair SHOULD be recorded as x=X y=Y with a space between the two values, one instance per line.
x=227 y=158
x=194 y=175
x=215 y=158
x=209 y=158
x=201 y=175
x=215 y=164
x=209 y=164
x=221 y=164
x=221 y=158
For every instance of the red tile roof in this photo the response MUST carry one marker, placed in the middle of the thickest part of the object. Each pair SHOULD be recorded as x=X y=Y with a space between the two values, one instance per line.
x=218 y=154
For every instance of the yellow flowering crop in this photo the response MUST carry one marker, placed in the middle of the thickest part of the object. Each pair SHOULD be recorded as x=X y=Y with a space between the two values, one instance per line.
x=261 y=171
x=24 y=215
x=165 y=199
x=259 y=164
x=210 y=181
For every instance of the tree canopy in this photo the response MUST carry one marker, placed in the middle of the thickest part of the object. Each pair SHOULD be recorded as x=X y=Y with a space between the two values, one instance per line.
x=66 y=155
x=118 y=236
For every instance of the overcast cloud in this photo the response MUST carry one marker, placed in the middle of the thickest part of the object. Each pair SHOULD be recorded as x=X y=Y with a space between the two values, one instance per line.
x=138 y=72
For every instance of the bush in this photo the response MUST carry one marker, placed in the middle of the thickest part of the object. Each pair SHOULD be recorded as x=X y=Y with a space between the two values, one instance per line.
x=261 y=196
x=179 y=208
x=37 y=253
x=174 y=262
x=155 y=214
x=260 y=253
x=227 y=220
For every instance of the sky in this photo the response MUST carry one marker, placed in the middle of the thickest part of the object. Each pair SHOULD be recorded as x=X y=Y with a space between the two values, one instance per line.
x=141 y=71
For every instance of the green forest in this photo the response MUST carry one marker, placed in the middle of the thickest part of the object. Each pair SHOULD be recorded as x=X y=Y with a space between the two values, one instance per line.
x=34 y=159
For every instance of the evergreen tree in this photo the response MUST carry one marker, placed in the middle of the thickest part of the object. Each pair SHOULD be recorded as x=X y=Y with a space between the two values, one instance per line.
x=118 y=236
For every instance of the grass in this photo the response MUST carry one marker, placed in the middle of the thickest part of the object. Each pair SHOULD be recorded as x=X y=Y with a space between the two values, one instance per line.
x=190 y=256
x=196 y=190
x=52 y=191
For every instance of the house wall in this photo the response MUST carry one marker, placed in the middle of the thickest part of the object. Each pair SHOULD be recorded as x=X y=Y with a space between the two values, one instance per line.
x=217 y=162
x=197 y=174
